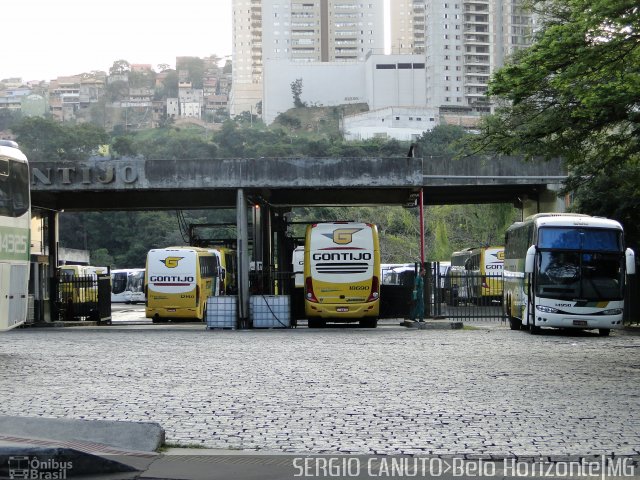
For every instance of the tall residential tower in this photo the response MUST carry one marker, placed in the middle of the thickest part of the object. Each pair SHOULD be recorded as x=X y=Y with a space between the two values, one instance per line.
x=464 y=42
x=305 y=31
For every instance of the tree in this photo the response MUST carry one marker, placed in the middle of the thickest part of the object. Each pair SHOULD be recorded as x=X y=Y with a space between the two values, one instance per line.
x=574 y=94
x=296 y=91
x=119 y=67
x=45 y=139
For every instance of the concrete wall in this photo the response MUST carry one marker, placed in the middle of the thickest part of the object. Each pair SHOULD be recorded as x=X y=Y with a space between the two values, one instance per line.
x=323 y=84
x=400 y=123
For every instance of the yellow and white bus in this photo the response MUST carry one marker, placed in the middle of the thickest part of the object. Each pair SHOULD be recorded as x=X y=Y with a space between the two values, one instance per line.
x=15 y=220
x=342 y=273
x=178 y=281
x=484 y=270
x=227 y=260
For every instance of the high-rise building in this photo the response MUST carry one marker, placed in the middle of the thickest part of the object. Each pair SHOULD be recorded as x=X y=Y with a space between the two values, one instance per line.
x=464 y=42
x=305 y=31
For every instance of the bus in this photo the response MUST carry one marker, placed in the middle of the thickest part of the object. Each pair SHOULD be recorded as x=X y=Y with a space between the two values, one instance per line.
x=15 y=223
x=342 y=273
x=178 y=281
x=566 y=271
x=127 y=285
x=297 y=264
x=483 y=269
x=227 y=260
x=456 y=282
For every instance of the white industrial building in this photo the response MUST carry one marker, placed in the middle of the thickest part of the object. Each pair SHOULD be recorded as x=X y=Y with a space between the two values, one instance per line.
x=400 y=123
x=380 y=81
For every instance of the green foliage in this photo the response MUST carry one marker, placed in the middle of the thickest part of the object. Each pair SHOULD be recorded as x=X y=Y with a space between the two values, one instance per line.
x=46 y=139
x=173 y=144
x=296 y=91
x=289 y=121
x=8 y=118
x=123 y=146
x=442 y=140
x=119 y=67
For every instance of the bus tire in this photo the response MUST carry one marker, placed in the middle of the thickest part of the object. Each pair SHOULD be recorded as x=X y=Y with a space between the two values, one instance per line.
x=604 y=332
x=514 y=323
x=369 y=322
x=155 y=319
x=315 y=323
x=533 y=329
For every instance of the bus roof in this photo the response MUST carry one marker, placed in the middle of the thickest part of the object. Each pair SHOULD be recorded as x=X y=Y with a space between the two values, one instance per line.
x=569 y=220
x=13 y=152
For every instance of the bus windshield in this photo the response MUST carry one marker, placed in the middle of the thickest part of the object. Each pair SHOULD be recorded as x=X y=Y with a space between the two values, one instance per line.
x=14 y=188
x=597 y=240
x=580 y=263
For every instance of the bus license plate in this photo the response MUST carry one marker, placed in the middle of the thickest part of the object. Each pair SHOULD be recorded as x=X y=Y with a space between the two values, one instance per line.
x=580 y=323
x=171 y=309
x=342 y=309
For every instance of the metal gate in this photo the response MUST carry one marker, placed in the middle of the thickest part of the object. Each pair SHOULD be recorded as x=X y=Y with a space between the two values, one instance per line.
x=82 y=298
x=463 y=295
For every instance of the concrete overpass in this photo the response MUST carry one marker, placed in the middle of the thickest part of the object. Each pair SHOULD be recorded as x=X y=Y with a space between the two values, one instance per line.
x=132 y=184
x=278 y=184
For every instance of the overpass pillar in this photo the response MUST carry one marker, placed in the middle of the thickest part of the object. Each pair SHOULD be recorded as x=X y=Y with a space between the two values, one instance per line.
x=547 y=201
x=243 y=259
x=52 y=243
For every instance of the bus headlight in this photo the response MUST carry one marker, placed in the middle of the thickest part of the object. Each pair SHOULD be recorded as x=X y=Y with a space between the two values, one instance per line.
x=613 y=311
x=546 y=309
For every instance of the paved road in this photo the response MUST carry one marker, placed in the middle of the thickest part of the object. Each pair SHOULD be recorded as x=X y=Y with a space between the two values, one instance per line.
x=487 y=391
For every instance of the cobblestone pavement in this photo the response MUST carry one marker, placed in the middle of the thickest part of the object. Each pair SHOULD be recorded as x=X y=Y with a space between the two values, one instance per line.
x=481 y=392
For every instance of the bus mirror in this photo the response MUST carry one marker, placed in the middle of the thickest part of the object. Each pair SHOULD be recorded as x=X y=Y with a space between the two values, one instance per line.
x=530 y=261
x=631 y=261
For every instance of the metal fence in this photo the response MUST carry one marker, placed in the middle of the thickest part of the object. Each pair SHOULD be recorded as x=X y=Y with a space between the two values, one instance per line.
x=462 y=295
x=82 y=298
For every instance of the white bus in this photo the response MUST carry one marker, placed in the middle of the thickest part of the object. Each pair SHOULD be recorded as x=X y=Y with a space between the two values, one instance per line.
x=15 y=221
x=566 y=271
x=127 y=285
x=297 y=264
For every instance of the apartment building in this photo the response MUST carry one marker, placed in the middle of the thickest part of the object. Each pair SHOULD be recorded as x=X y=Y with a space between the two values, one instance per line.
x=301 y=31
x=464 y=42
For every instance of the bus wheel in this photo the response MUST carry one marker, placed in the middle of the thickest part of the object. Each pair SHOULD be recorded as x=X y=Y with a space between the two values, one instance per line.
x=155 y=319
x=534 y=330
x=604 y=332
x=369 y=322
x=315 y=323
x=514 y=323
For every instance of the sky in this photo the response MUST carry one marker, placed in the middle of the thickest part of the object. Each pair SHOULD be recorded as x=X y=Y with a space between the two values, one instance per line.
x=44 y=39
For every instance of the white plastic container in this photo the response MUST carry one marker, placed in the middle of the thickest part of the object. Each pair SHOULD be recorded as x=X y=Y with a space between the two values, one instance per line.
x=222 y=312
x=270 y=311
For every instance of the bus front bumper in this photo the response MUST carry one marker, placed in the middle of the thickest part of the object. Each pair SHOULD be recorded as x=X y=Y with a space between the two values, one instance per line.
x=584 y=322
x=338 y=312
